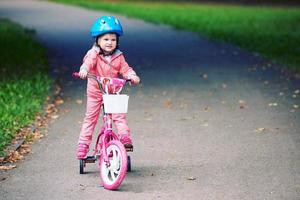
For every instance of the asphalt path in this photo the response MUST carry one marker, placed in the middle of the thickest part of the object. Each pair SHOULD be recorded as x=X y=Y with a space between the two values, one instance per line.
x=209 y=121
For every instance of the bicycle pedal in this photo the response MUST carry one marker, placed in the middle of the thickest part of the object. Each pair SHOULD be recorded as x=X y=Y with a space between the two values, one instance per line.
x=129 y=148
x=90 y=159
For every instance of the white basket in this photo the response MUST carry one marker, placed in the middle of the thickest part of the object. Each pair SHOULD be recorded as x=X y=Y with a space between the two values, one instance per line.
x=115 y=103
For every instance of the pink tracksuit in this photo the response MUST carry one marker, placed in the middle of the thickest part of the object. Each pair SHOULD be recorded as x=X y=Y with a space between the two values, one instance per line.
x=101 y=66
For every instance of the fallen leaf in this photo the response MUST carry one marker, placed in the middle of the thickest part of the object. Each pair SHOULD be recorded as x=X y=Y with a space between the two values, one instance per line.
x=191 y=178
x=55 y=116
x=242 y=104
x=59 y=101
x=273 y=104
x=8 y=167
x=149 y=119
x=168 y=103
x=207 y=109
x=78 y=101
x=260 y=130
x=204 y=125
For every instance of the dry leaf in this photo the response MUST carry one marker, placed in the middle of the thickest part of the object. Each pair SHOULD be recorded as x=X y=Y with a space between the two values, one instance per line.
x=168 y=104
x=78 y=101
x=242 y=104
x=149 y=119
x=191 y=178
x=8 y=167
x=273 y=104
x=207 y=109
x=55 y=116
x=260 y=130
x=59 y=101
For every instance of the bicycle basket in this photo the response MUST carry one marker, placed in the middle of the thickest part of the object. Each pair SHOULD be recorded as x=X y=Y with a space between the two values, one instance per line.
x=115 y=103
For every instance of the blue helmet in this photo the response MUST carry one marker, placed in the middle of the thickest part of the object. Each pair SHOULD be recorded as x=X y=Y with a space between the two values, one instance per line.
x=106 y=24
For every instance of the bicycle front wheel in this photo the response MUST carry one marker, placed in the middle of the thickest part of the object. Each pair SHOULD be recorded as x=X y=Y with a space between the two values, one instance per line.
x=113 y=174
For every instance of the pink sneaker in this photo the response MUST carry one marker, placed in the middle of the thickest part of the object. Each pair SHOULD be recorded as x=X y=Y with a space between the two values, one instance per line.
x=126 y=141
x=82 y=151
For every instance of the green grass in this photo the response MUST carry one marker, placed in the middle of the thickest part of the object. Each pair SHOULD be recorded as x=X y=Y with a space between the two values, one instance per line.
x=273 y=32
x=24 y=82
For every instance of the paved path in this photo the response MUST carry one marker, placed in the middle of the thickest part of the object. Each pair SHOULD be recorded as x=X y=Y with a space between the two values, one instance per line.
x=202 y=123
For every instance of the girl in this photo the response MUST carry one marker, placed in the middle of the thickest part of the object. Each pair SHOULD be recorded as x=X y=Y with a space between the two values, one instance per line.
x=106 y=60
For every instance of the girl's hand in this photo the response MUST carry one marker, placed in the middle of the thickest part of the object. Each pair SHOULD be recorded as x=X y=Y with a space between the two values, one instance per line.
x=83 y=73
x=135 y=79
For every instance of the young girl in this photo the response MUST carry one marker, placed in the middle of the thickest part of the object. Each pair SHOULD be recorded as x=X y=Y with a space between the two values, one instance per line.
x=106 y=60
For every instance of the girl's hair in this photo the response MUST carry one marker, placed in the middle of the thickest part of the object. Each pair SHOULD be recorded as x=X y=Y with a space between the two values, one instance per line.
x=101 y=51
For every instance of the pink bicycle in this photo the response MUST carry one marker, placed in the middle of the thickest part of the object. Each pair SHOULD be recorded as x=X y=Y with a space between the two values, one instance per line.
x=109 y=151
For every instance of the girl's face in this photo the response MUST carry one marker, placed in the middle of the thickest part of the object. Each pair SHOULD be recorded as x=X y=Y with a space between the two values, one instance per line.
x=107 y=42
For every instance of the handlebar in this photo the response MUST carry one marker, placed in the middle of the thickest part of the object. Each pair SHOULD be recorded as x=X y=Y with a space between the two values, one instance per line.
x=107 y=82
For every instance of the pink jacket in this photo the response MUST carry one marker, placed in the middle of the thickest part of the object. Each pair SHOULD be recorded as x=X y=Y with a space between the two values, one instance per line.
x=98 y=65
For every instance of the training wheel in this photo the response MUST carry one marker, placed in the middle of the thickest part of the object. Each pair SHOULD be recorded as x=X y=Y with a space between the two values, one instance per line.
x=81 y=166
x=128 y=164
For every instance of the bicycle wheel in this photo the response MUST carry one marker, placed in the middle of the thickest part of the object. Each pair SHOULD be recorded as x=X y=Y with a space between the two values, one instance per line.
x=113 y=175
x=81 y=166
x=128 y=164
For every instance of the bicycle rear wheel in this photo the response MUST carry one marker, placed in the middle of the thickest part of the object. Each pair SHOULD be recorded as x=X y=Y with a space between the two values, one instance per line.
x=113 y=175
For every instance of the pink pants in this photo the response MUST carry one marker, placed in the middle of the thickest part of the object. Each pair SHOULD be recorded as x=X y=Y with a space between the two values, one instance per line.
x=91 y=117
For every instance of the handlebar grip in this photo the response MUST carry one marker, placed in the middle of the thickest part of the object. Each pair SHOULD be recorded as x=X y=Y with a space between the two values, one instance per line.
x=75 y=75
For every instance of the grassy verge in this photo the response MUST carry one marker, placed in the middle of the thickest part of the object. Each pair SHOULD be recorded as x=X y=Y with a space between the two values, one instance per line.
x=24 y=82
x=273 y=32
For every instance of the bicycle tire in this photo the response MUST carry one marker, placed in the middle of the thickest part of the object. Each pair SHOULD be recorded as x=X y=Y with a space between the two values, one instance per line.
x=112 y=176
x=128 y=164
x=81 y=166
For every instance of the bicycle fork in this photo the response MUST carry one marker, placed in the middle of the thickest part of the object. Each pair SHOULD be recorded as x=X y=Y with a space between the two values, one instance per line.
x=108 y=135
